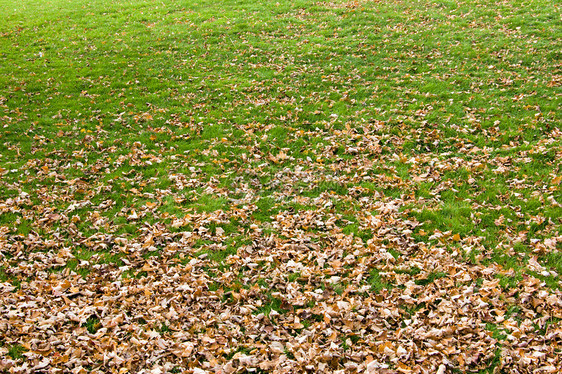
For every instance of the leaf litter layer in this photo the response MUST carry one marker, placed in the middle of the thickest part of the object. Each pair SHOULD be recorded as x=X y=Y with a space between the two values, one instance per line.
x=361 y=186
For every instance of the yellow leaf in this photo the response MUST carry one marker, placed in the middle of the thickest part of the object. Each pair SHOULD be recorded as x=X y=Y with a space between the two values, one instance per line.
x=403 y=368
x=456 y=237
x=147 y=267
x=385 y=345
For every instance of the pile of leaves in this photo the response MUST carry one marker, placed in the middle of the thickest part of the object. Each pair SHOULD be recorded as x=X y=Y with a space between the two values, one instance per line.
x=345 y=186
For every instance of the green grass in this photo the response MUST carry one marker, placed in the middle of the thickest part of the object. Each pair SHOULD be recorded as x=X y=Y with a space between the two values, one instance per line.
x=377 y=282
x=92 y=324
x=431 y=277
x=224 y=133
x=16 y=351
x=271 y=303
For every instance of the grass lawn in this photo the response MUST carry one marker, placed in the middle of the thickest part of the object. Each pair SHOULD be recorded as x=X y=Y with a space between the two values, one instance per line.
x=280 y=186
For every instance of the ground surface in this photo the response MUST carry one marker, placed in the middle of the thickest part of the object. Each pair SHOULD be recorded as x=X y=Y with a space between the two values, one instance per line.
x=280 y=186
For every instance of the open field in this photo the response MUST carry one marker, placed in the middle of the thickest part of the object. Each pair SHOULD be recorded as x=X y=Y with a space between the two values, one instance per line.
x=280 y=186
